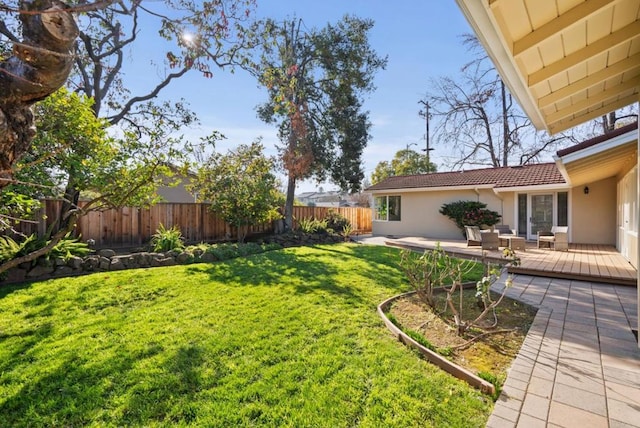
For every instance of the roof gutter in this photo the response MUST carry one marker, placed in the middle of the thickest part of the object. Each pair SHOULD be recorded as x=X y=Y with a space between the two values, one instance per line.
x=429 y=189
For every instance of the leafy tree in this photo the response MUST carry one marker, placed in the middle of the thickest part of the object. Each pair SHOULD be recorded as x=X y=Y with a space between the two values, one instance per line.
x=405 y=162
x=241 y=187
x=41 y=61
x=72 y=146
x=316 y=80
x=106 y=29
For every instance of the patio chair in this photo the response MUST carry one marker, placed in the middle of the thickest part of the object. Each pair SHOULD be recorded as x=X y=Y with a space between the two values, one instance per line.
x=558 y=238
x=490 y=240
x=474 y=237
x=487 y=239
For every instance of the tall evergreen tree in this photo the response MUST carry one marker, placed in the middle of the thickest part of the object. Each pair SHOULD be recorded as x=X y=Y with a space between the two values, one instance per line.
x=316 y=80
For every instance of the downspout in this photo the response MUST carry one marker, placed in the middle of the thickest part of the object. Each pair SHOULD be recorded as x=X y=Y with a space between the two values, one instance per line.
x=477 y=193
x=499 y=196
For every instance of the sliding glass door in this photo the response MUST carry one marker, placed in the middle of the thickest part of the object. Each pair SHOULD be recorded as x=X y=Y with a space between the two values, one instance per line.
x=541 y=214
x=541 y=211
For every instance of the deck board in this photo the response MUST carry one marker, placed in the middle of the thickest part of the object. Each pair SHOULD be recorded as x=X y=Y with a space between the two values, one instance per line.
x=588 y=262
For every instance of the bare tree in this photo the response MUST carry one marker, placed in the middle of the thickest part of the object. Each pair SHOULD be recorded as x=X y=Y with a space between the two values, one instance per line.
x=479 y=120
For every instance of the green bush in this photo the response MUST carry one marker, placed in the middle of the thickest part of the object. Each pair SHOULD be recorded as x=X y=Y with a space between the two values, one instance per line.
x=167 y=239
x=9 y=249
x=470 y=213
x=336 y=221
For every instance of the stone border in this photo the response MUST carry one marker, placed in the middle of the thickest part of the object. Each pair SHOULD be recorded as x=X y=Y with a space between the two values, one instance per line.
x=435 y=358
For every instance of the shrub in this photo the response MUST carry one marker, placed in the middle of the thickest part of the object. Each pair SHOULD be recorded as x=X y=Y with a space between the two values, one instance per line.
x=434 y=268
x=9 y=248
x=336 y=221
x=167 y=239
x=470 y=213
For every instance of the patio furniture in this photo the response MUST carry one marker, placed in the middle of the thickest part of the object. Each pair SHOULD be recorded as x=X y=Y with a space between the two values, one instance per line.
x=487 y=239
x=490 y=240
x=557 y=239
x=505 y=232
x=514 y=242
x=473 y=236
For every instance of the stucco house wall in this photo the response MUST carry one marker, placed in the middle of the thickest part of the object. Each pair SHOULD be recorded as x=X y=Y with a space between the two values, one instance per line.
x=420 y=214
x=593 y=215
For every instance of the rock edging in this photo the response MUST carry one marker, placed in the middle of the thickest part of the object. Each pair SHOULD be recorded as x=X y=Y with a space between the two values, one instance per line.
x=433 y=357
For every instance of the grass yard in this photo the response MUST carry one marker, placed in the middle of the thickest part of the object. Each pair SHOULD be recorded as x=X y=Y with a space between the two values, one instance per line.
x=284 y=338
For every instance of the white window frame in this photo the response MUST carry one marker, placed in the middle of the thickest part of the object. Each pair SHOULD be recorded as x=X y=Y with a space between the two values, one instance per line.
x=386 y=198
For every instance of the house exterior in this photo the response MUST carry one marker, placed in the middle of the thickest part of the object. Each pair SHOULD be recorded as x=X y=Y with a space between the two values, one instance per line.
x=173 y=188
x=580 y=190
x=330 y=199
x=567 y=62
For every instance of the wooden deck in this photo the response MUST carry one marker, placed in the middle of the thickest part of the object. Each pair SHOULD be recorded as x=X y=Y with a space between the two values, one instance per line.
x=586 y=262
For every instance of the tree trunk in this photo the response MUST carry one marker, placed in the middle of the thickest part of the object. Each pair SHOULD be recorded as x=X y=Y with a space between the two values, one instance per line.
x=40 y=64
x=288 y=206
x=69 y=203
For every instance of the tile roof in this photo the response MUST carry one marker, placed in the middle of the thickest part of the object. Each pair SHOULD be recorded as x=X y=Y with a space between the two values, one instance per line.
x=511 y=176
x=597 y=140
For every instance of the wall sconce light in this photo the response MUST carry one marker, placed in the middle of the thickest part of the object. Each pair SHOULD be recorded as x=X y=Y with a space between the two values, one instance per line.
x=586 y=190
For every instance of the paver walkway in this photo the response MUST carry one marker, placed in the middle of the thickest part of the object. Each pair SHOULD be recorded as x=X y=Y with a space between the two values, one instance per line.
x=579 y=365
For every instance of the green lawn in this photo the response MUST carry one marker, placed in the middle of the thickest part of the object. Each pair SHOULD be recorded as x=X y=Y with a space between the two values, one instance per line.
x=284 y=338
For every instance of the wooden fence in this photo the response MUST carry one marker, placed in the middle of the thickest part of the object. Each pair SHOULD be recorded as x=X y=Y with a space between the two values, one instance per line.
x=130 y=226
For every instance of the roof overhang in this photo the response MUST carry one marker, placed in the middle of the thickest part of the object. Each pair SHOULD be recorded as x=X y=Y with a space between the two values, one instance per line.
x=531 y=189
x=607 y=159
x=566 y=61
x=429 y=189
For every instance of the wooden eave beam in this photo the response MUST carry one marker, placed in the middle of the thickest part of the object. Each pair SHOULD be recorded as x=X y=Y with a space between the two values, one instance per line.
x=600 y=97
x=616 y=69
x=567 y=19
x=626 y=33
x=559 y=126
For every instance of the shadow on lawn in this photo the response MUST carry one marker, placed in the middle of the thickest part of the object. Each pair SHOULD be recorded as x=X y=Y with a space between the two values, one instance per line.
x=78 y=392
x=308 y=271
x=304 y=272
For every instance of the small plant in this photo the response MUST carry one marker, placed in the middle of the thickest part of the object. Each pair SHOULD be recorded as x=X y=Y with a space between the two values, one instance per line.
x=311 y=225
x=347 y=230
x=306 y=225
x=10 y=249
x=432 y=269
x=67 y=248
x=167 y=239
x=483 y=294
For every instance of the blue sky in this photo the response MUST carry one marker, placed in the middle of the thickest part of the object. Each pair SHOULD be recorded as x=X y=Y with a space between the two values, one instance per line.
x=420 y=37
